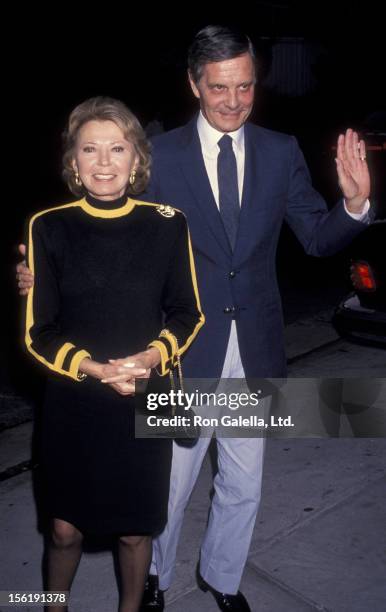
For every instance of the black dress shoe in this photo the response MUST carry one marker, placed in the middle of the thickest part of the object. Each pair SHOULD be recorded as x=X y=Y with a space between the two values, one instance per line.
x=153 y=597
x=226 y=602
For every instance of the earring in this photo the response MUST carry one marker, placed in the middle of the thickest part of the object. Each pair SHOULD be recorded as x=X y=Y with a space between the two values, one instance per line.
x=77 y=179
x=132 y=177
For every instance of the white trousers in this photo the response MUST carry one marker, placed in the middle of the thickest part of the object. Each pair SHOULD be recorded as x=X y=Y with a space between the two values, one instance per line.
x=237 y=493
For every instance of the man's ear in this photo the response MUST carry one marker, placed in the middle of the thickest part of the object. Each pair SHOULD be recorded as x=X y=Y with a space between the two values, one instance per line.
x=193 y=85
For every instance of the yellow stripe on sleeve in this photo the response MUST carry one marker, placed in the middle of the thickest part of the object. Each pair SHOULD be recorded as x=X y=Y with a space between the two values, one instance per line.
x=195 y=287
x=75 y=361
x=164 y=355
x=61 y=354
x=56 y=366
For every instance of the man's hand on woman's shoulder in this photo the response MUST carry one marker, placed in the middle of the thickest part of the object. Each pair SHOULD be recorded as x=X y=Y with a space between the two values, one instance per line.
x=24 y=276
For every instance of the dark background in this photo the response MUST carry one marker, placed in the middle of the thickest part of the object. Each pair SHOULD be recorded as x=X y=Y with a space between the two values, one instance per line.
x=59 y=57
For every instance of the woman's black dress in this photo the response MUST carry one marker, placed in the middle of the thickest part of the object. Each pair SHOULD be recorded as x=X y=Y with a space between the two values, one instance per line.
x=109 y=277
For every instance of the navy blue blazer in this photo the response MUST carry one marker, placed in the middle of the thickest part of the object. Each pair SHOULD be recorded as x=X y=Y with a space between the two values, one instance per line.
x=243 y=284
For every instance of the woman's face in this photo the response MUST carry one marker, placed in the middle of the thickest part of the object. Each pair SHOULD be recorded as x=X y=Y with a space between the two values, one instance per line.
x=104 y=159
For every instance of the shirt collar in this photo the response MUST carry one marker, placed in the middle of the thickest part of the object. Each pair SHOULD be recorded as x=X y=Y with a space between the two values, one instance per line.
x=209 y=136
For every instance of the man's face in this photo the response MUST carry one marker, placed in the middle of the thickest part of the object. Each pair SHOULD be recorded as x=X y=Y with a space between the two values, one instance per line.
x=226 y=92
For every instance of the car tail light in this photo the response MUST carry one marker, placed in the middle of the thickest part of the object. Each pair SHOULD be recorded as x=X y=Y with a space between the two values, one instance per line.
x=362 y=276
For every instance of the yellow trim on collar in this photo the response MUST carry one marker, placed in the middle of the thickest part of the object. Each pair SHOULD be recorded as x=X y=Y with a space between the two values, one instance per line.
x=105 y=213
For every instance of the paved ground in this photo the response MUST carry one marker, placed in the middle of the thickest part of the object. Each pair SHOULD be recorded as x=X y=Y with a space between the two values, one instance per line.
x=319 y=541
x=320 y=537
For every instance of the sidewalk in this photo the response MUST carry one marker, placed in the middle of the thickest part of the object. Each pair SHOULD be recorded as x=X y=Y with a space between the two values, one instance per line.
x=319 y=541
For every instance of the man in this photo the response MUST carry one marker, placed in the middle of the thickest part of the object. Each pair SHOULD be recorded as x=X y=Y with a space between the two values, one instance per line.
x=237 y=183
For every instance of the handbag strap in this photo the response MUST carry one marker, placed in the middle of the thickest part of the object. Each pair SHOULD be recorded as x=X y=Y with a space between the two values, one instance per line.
x=167 y=333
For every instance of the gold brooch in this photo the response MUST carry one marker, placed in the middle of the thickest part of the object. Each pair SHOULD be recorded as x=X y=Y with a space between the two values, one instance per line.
x=165 y=210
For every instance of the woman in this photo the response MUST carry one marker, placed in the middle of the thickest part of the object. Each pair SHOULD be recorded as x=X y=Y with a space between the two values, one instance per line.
x=114 y=298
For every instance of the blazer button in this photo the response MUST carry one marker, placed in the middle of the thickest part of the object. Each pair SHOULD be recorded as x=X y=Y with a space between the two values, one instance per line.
x=232 y=274
x=227 y=310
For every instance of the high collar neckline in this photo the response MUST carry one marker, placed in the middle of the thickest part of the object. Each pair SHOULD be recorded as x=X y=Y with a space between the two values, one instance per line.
x=107 y=208
x=105 y=204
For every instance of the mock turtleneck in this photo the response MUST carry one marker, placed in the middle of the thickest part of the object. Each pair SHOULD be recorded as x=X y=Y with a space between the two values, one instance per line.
x=105 y=204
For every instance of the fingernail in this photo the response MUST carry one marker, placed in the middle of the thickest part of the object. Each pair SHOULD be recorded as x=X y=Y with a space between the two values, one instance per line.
x=128 y=365
x=103 y=380
x=111 y=360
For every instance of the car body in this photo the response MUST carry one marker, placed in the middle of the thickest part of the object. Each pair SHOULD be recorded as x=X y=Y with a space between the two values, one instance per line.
x=362 y=314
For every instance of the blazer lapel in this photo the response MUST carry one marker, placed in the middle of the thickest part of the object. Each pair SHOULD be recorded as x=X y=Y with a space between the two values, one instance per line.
x=193 y=167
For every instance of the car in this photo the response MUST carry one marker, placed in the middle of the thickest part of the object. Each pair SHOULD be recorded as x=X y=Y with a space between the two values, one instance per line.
x=361 y=315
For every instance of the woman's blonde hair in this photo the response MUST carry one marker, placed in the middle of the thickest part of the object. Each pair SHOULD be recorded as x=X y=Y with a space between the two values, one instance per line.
x=102 y=108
